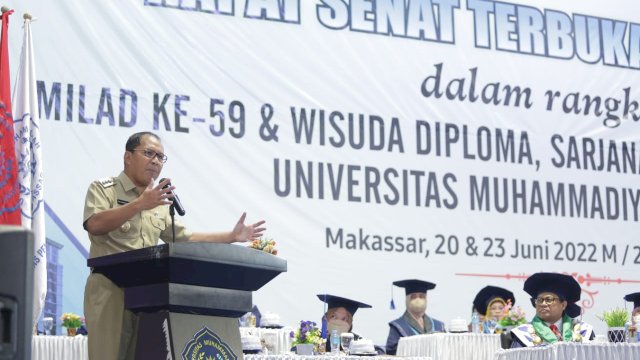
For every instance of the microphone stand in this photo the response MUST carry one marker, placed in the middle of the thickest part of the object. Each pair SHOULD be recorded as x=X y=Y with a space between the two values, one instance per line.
x=172 y=212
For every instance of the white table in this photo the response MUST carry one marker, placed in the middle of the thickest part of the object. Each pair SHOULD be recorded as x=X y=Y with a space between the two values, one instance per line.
x=47 y=347
x=292 y=356
x=440 y=346
x=570 y=351
x=277 y=340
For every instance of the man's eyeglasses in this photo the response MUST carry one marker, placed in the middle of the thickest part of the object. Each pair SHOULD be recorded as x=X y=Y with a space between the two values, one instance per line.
x=547 y=300
x=150 y=154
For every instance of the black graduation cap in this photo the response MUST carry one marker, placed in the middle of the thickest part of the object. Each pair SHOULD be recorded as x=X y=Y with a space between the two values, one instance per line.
x=414 y=286
x=490 y=293
x=565 y=286
x=635 y=298
x=336 y=301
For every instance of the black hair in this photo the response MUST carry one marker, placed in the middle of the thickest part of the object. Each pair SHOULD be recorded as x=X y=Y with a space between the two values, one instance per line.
x=134 y=140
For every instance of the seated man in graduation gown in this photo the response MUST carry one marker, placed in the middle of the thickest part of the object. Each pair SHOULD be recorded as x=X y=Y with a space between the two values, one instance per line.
x=554 y=297
x=339 y=316
x=414 y=321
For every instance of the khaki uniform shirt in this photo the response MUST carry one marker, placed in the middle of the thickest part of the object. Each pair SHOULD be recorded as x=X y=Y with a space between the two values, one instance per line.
x=142 y=230
x=111 y=328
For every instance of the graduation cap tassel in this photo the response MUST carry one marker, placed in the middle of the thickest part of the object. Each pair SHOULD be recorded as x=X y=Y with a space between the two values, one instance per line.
x=324 y=322
x=392 y=305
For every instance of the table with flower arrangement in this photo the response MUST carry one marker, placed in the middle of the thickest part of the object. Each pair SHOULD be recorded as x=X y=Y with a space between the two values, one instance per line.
x=463 y=346
x=75 y=348
x=441 y=346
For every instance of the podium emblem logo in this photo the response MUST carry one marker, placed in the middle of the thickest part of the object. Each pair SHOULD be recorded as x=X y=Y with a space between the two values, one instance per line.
x=206 y=345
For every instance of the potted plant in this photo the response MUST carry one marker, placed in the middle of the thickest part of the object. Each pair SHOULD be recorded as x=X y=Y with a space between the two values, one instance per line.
x=616 y=320
x=511 y=317
x=72 y=322
x=306 y=337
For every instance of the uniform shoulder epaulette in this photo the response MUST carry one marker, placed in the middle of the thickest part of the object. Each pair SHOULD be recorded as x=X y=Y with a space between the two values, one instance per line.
x=107 y=182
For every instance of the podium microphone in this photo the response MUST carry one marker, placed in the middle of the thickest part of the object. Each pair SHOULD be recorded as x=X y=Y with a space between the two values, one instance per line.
x=175 y=199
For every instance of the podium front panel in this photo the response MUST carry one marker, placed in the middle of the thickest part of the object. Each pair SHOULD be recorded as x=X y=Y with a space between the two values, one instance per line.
x=187 y=336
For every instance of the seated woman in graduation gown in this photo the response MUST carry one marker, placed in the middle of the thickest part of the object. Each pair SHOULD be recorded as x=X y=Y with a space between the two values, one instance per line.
x=339 y=316
x=414 y=321
x=554 y=296
x=490 y=303
x=634 y=327
x=635 y=299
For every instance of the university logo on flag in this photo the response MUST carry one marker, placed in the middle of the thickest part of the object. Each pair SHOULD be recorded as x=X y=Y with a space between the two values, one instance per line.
x=28 y=152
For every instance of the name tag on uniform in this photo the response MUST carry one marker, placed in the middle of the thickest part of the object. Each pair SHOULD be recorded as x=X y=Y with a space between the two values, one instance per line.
x=122 y=202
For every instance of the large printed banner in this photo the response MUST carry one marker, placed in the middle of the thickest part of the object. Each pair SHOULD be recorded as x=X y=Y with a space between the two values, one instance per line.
x=467 y=143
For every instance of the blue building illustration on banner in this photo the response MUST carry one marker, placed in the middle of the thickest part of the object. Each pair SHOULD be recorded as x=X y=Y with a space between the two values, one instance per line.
x=67 y=272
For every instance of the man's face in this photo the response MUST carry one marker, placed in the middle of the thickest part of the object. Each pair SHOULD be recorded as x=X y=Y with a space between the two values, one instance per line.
x=549 y=308
x=141 y=169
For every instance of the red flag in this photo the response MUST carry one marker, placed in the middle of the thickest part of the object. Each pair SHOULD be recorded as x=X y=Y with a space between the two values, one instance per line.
x=9 y=189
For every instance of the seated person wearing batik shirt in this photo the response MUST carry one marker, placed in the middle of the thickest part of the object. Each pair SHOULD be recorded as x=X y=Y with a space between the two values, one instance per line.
x=414 y=321
x=490 y=303
x=339 y=316
x=554 y=297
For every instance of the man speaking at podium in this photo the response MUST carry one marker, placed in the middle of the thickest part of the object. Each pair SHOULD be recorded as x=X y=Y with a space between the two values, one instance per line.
x=129 y=212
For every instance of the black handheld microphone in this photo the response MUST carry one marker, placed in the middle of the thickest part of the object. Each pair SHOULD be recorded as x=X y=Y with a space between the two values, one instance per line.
x=176 y=200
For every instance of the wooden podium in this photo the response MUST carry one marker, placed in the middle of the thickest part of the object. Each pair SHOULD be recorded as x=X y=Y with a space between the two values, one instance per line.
x=189 y=295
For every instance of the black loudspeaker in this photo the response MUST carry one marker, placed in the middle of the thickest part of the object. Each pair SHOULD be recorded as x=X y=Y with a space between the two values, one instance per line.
x=16 y=292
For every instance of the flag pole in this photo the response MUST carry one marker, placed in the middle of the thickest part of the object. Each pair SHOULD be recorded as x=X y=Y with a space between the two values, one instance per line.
x=28 y=149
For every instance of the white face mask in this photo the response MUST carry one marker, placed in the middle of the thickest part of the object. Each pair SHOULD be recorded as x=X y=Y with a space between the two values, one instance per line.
x=339 y=325
x=417 y=305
